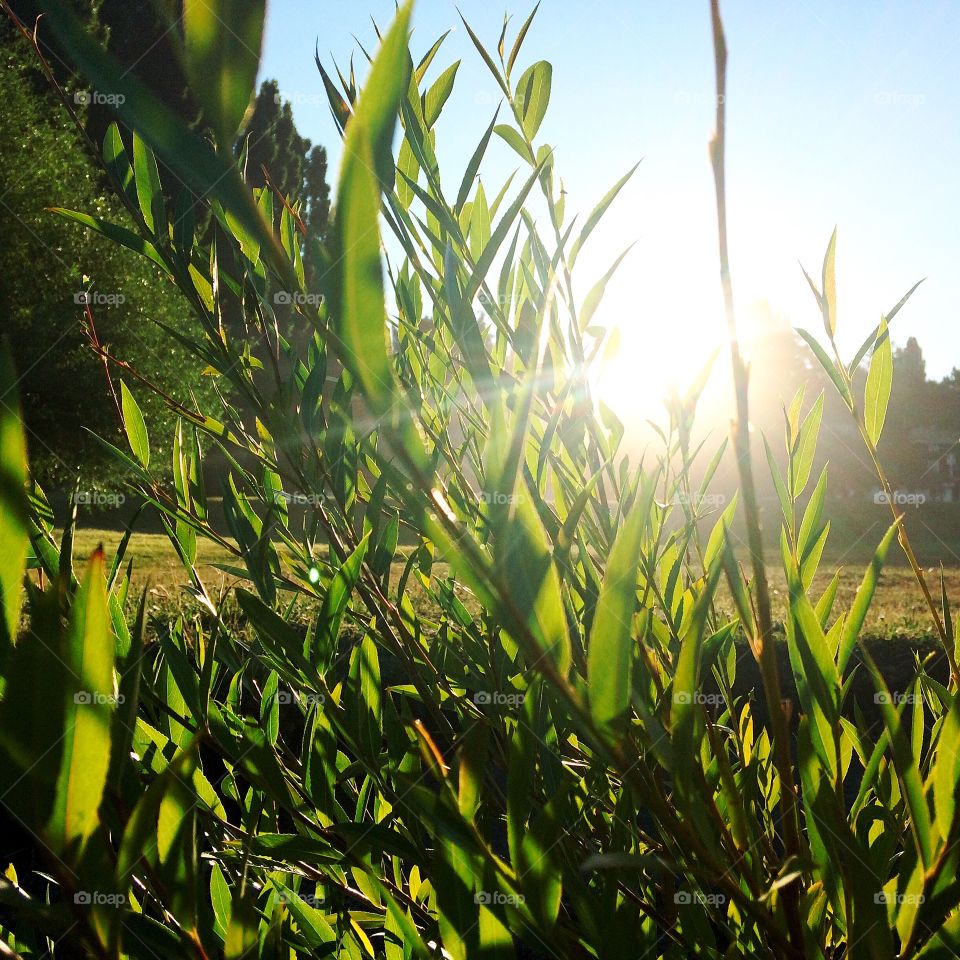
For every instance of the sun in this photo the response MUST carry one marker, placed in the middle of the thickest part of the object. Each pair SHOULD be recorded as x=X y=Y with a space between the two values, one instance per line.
x=655 y=344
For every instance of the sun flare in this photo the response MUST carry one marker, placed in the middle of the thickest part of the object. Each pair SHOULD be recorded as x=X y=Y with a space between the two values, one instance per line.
x=654 y=346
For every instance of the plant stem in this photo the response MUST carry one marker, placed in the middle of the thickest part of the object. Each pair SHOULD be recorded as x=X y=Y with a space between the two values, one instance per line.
x=763 y=628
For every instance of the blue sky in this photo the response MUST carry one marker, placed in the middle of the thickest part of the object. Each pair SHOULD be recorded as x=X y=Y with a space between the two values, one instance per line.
x=838 y=113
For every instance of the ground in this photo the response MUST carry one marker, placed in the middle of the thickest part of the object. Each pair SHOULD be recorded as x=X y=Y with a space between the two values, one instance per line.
x=899 y=609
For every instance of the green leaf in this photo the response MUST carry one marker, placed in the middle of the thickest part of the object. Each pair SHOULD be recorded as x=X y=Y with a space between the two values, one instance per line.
x=358 y=305
x=284 y=643
x=473 y=166
x=135 y=426
x=946 y=771
x=810 y=525
x=828 y=365
x=598 y=212
x=868 y=343
x=829 y=302
x=310 y=921
x=438 y=94
x=518 y=43
x=533 y=96
x=683 y=707
x=117 y=234
x=512 y=138
x=88 y=669
x=863 y=599
x=525 y=562
x=610 y=654
x=801 y=460
x=149 y=190
x=335 y=602
x=222 y=41
x=595 y=296
x=13 y=497
x=487 y=59
x=479 y=224
x=905 y=765
x=220 y=901
x=783 y=494
x=363 y=697
x=140 y=838
x=876 y=394
x=210 y=174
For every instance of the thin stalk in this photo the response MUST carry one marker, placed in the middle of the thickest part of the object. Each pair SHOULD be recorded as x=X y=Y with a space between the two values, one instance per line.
x=907 y=548
x=763 y=626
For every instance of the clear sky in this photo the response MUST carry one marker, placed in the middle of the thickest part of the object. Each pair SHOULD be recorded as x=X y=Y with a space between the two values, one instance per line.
x=841 y=112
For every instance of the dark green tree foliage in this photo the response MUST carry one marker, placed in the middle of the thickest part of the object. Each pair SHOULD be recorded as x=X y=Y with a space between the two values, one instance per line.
x=45 y=265
x=273 y=143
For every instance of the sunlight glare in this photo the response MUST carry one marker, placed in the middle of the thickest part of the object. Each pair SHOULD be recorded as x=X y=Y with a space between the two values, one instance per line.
x=664 y=342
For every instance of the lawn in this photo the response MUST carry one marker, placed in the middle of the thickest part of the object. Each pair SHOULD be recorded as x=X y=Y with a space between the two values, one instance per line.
x=898 y=609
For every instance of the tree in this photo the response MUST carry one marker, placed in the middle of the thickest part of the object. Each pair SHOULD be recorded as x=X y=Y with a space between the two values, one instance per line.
x=46 y=265
x=273 y=143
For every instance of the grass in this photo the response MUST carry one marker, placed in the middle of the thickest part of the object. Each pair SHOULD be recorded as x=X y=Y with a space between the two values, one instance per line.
x=897 y=612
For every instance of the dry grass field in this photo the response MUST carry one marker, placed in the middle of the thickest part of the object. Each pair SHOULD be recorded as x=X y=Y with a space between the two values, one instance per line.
x=898 y=611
